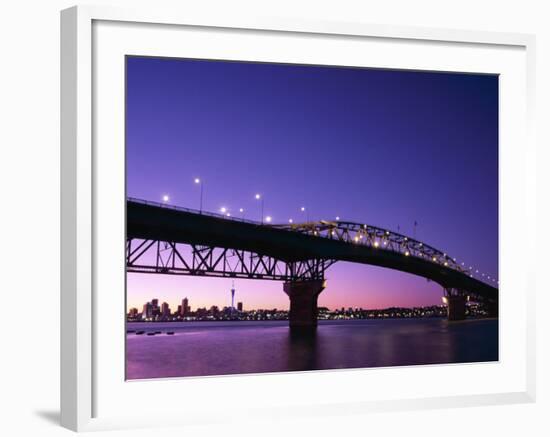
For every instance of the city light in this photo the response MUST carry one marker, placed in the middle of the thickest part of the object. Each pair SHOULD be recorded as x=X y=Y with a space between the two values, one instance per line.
x=223 y=209
x=337 y=218
x=166 y=198
x=290 y=220
x=241 y=210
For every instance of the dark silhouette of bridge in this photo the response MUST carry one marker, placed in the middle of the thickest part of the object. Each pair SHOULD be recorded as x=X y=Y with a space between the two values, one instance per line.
x=178 y=241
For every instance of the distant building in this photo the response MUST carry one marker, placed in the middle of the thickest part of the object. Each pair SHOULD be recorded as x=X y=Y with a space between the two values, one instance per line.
x=165 y=310
x=147 y=312
x=133 y=313
x=185 y=308
x=240 y=306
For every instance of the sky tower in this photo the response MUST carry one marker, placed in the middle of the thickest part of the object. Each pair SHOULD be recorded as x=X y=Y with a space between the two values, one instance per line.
x=232 y=296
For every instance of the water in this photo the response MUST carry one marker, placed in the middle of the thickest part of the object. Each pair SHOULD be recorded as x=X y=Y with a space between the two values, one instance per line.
x=223 y=348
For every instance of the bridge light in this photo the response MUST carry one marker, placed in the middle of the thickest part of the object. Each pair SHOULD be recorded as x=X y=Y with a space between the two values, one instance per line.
x=257 y=196
x=314 y=232
x=406 y=239
x=420 y=244
x=290 y=220
x=223 y=209
x=228 y=215
x=241 y=210
x=445 y=264
x=303 y=208
x=387 y=232
x=197 y=181
x=477 y=271
x=332 y=233
x=360 y=236
x=356 y=239
x=337 y=217
x=434 y=259
x=166 y=198
x=376 y=244
x=268 y=219
x=365 y=226
x=407 y=253
x=385 y=243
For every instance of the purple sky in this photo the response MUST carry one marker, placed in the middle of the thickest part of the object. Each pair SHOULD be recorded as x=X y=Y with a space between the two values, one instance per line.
x=374 y=146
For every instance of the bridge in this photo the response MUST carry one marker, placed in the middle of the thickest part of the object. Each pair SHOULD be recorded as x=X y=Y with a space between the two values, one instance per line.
x=164 y=239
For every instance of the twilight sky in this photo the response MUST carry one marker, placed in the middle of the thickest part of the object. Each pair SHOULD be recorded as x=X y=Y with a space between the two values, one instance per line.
x=374 y=146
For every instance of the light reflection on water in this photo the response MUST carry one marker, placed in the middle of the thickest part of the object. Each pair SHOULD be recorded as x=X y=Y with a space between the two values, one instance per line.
x=222 y=348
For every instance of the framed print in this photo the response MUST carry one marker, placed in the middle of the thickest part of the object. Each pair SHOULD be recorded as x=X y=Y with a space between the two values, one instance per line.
x=291 y=208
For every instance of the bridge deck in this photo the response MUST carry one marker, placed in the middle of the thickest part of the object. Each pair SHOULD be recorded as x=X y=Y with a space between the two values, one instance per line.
x=154 y=222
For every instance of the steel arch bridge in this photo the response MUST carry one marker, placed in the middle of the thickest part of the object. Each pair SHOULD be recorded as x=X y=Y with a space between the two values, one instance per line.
x=178 y=241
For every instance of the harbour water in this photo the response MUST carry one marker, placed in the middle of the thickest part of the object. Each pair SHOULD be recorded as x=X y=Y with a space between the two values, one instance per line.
x=224 y=348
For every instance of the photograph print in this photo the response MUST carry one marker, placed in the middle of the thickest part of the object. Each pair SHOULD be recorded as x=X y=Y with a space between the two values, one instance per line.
x=287 y=217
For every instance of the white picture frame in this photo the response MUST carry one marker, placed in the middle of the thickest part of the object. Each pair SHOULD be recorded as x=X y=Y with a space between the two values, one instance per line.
x=85 y=385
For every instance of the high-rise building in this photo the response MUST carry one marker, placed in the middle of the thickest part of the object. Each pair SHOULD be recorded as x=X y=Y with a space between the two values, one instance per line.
x=185 y=309
x=165 y=310
x=239 y=306
x=232 y=296
x=147 y=312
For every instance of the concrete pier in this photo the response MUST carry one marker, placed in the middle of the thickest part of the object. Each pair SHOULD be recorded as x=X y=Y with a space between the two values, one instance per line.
x=303 y=303
x=456 y=307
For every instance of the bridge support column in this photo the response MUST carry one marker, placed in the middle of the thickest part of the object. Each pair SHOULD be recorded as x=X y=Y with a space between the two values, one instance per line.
x=456 y=307
x=303 y=303
x=492 y=308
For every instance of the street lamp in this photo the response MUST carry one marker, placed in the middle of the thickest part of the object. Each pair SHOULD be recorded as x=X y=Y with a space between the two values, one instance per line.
x=268 y=219
x=303 y=209
x=165 y=198
x=261 y=199
x=241 y=210
x=201 y=183
x=223 y=209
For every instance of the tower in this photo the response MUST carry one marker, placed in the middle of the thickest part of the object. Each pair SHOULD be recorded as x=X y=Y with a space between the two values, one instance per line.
x=233 y=296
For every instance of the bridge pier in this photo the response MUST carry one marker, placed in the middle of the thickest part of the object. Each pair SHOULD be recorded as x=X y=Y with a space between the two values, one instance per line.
x=492 y=308
x=456 y=307
x=303 y=303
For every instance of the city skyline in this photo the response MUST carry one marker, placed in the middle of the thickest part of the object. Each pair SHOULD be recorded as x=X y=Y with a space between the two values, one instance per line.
x=377 y=146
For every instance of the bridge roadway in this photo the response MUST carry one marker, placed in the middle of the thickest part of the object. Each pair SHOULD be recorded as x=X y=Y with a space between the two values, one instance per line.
x=160 y=223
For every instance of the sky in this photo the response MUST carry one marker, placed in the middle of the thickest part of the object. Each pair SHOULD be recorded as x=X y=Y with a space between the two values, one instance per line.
x=384 y=147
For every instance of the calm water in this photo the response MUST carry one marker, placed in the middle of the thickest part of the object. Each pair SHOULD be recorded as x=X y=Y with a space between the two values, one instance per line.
x=222 y=348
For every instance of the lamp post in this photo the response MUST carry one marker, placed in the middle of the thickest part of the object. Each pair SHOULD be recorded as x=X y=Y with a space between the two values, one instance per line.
x=261 y=199
x=306 y=211
x=201 y=183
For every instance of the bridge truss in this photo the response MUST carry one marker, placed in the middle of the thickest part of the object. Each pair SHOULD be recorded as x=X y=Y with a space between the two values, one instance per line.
x=154 y=256
x=377 y=238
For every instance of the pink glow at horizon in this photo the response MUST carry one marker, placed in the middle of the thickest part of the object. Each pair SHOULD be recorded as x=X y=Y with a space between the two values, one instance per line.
x=348 y=285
